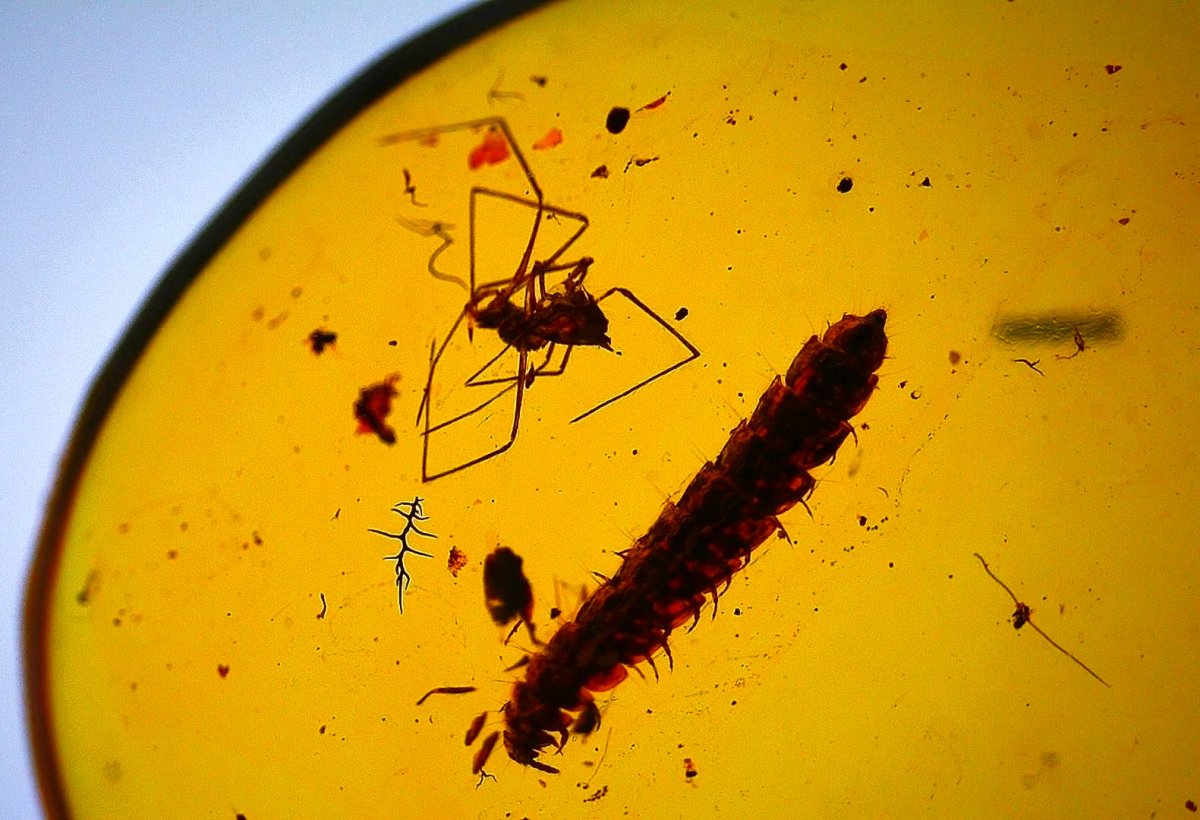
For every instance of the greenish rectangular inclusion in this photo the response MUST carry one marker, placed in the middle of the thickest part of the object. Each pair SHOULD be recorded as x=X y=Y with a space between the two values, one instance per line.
x=1052 y=328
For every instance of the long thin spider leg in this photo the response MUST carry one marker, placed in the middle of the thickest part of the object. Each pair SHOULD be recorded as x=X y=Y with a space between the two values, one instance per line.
x=493 y=122
x=519 y=386
x=527 y=255
x=467 y=414
x=550 y=262
x=693 y=351
x=562 y=366
x=434 y=358
x=1056 y=645
x=471 y=380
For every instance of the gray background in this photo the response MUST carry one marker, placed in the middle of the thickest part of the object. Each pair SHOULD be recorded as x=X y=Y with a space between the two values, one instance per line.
x=123 y=127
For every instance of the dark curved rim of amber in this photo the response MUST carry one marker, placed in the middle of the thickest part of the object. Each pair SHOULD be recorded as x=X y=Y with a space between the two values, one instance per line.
x=356 y=95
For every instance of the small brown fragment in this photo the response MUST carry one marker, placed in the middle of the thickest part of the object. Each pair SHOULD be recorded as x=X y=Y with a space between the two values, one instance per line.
x=456 y=561
x=373 y=407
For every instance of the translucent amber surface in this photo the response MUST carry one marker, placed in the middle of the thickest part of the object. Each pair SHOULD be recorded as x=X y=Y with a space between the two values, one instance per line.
x=214 y=630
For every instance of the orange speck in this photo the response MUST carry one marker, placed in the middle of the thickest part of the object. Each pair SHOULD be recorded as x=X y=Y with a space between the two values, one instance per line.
x=456 y=561
x=493 y=150
x=553 y=137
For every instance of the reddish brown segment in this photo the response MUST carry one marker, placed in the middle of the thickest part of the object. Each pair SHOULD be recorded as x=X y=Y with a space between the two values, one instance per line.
x=729 y=508
x=446 y=690
x=484 y=752
x=475 y=728
x=373 y=407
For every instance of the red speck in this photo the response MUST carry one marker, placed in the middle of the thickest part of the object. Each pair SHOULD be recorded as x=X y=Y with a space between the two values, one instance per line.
x=222 y=670
x=373 y=407
x=650 y=106
x=1112 y=69
x=553 y=137
x=493 y=150
x=456 y=561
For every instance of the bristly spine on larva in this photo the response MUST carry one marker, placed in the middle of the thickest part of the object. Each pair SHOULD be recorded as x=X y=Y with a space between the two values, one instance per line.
x=728 y=509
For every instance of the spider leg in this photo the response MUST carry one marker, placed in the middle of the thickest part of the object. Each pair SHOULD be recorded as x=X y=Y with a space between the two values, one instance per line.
x=692 y=351
x=519 y=385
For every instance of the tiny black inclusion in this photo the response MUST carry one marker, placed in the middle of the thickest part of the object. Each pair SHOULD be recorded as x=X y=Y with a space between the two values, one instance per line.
x=845 y=185
x=618 y=118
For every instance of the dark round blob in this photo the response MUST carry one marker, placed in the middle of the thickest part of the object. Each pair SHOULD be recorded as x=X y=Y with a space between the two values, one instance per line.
x=506 y=590
x=618 y=118
x=845 y=185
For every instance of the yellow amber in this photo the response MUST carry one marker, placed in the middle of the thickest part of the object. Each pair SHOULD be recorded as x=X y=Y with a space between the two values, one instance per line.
x=213 y=629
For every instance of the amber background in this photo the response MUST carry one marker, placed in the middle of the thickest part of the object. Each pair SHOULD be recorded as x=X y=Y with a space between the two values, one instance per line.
x=868 y=670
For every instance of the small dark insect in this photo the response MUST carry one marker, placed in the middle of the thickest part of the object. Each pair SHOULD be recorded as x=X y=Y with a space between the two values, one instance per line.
x=505 y=587
x=411 y=512
x=1023 y=615
x=373 y=406
x=1020 y=615
x=698 y=543
x=506 y=590
x=528 y=315
x=320 y=339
